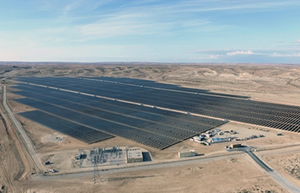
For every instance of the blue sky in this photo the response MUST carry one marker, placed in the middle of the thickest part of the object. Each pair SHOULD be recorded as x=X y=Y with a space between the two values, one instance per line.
x=151 y=31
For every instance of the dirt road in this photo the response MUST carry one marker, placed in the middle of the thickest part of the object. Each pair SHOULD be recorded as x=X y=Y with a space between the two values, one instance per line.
x=24 y=138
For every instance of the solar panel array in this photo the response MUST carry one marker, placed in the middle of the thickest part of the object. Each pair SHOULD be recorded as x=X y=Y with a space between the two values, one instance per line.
x=77 y=131
x=278 y=116
x=149 y=126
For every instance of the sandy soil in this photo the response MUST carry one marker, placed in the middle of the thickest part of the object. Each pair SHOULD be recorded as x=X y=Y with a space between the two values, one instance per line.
x=286 y=162
x=205 y=177
x=8 y=159
x=15 y=163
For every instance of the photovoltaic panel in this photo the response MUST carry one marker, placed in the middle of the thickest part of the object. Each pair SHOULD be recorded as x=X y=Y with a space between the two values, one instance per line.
x=74 y=130
x=155 y=140
x=150 y=83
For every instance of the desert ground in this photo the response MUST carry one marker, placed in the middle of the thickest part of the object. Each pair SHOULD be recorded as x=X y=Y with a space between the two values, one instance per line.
x=235 y=173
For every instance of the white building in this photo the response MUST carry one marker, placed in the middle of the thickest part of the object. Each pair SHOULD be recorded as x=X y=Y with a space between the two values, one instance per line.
x=134 y=155
x=188 y=153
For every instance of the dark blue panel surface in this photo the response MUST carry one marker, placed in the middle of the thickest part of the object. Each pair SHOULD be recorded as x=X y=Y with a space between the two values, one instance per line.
x=235 y=108
x=74 y=130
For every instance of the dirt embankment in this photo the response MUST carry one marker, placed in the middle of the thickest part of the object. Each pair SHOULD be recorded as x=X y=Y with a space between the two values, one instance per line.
x=15 y=163
x=10 y=168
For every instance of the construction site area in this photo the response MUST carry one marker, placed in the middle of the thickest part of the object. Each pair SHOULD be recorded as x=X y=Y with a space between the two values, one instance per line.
x=93 y=132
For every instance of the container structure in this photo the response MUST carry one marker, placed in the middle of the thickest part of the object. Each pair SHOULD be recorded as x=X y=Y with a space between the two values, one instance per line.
x=188 y=153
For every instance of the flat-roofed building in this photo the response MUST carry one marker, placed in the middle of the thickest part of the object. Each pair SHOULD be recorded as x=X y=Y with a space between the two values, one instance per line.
x=134 y=155
x=188 y=153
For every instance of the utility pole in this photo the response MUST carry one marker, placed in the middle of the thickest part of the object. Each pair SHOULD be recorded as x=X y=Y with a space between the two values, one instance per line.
x=97 y=158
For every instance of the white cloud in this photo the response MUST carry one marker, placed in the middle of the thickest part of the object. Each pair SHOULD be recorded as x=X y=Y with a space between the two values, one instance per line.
x=210 y=6
x=239 y=53
x=244 y=53
x=298 y=41
x=223 y=54
x=284 y=55
x=127 y=24
x=275 y=54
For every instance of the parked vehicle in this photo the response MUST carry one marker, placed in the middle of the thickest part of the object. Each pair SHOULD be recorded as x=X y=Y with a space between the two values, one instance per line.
x=52 y=170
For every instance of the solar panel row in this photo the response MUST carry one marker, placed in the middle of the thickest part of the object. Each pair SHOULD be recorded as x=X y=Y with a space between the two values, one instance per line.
x=141 y=136
x=77 y=131
x=150 y=83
